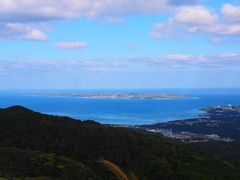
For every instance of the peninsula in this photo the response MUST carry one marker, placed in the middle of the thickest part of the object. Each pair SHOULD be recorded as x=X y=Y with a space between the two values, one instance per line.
x=219 y=123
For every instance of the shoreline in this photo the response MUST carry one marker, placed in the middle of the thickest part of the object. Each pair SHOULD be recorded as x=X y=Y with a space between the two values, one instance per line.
x=220 y=123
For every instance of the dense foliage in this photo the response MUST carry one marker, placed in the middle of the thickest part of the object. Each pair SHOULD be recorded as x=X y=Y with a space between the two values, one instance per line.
x=226 y=151
x=44 y=146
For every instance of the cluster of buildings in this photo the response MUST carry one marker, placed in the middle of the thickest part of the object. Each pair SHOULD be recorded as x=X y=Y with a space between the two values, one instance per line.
x=220 y=123
x=221 y=109
x=189 y=137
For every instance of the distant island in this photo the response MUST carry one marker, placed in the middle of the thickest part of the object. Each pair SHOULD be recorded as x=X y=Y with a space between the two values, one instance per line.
x=117 y=95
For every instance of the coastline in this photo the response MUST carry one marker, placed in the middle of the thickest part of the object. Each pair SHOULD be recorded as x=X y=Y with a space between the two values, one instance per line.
x=220 y=123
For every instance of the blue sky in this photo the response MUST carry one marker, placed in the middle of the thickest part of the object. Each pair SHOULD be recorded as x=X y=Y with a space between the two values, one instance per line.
x=54 y=44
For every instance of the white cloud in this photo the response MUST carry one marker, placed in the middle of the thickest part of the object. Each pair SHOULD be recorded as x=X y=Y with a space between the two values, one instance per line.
x=183 y=61
x=225 y=29
x=194 y=15
x=26 y=10
x=32 y=12
x=71 y=45
x=226 y=60
x=21 y=31
x=190 y=20
x=35 y=34
x=178 y=57
x=162 y=30
x=18 y=66
x=231 y=12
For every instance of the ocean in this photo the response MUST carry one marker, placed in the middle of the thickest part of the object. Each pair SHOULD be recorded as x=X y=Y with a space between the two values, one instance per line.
x=122 y=111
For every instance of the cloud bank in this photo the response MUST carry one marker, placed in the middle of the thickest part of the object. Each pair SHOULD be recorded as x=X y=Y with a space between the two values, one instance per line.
x=21 y=19
x=169 y=61
x=28 y=14
x=185 y=61
x=46 y=10
x=191 y=20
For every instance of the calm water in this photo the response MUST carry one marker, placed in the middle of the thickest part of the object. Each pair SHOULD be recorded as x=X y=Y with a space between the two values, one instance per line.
x=122 y=111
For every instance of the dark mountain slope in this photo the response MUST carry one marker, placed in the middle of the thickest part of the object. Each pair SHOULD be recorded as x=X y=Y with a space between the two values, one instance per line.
x=84 y=143
x=25 y=163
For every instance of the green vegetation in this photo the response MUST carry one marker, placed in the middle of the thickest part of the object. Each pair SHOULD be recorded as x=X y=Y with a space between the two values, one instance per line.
x=228 y=152
x=25 y=163
x=33 y=145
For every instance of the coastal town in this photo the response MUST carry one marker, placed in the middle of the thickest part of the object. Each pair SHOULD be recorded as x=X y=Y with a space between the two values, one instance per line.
x=219 y=123
x=189 y=137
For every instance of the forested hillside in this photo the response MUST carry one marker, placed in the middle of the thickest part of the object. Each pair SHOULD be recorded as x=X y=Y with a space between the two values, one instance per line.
x=37 y=145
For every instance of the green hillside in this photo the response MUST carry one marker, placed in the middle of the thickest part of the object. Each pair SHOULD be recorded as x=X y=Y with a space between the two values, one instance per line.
x=36 y=145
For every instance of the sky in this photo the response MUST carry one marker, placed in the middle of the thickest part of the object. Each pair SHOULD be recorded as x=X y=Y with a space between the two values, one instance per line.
x=79 y=44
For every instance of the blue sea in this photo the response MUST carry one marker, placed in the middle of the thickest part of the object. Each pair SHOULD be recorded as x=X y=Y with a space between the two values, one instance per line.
x=122 y=111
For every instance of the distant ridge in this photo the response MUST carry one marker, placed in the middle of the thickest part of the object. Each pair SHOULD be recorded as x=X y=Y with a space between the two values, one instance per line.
x=18 y=108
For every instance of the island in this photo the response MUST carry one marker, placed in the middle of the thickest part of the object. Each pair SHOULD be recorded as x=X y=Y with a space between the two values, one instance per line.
x=117 y=95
